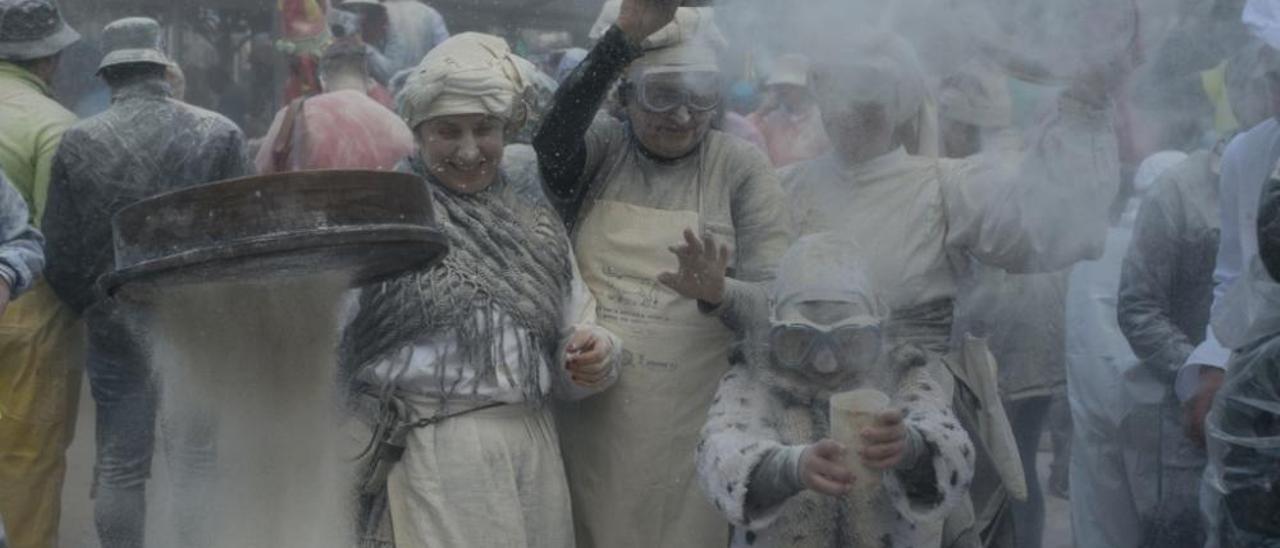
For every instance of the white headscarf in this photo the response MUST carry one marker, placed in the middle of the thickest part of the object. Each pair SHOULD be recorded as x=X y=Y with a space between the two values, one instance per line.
x=470 y=73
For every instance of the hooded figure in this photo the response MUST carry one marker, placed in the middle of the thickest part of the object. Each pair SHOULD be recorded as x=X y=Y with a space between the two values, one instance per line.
x=678 y=229
x=453 y=365
x=925 y=220
x=766 y=458
x=1239 y=493
x=145 y=144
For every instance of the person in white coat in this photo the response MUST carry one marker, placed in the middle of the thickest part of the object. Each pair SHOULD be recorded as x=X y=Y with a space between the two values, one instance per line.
x=922 y=219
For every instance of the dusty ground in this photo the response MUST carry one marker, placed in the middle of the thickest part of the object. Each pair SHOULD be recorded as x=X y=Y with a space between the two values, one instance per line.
x=77 y=516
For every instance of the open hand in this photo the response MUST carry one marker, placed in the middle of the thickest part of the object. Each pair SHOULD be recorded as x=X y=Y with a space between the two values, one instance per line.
x=640 y=18
x=885 y=442
x=822 y=470
x=702 y=269
x=584 y=358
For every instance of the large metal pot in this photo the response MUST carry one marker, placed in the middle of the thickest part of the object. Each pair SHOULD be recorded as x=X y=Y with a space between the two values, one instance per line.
x=369 y=225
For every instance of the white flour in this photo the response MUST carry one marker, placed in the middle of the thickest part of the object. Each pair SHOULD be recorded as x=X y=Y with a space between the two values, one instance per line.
x=254 y=365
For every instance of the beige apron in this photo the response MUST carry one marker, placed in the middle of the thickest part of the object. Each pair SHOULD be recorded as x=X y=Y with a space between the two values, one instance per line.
x=629 y=452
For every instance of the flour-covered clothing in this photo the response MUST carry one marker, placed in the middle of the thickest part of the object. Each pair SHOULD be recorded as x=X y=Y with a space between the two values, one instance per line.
x=488 y=326
x=926 y=219
x=755 y=416
x=629 y=452
x=1167 y=285
x=914 y=213
x=145 y=144
x=492 y=478
x=21 y=245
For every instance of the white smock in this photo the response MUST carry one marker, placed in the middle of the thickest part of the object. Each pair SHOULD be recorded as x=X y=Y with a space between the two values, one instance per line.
x=630 y=451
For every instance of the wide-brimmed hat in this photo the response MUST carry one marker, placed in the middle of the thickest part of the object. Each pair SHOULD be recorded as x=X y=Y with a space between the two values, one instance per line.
x=31 y=29
x=133 y=40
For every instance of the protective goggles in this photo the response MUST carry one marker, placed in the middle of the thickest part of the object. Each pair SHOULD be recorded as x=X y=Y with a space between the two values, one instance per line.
x=664 y=90
x=796 y=345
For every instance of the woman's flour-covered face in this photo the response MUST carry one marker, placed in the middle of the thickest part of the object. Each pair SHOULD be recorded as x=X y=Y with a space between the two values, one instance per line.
x=463 y=151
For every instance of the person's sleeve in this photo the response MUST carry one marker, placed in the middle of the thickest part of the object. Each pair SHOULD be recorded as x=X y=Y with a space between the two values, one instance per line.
x=1051 y=208
x=21 y=245
x=1230 y=263
x=70 y=271
x=581 y=314
x=1146 y=285
x=235 y=161
x=942 y=470
x=380 y=68
x=46 y=147
x=735 y=441
x=762 y=228
x=264 y=162
x=563 y=145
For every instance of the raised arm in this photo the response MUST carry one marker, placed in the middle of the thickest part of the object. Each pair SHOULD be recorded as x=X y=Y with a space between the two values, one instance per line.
x=561 y=142
x=1048 y=210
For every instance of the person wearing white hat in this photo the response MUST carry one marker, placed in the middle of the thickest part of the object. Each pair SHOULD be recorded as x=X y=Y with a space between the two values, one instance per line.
x=678 y=229
x=789 y=117
x=458 y=364
x=39 y=355
x=145 y=144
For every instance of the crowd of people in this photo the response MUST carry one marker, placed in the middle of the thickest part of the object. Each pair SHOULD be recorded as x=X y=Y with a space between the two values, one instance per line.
x=663 y=277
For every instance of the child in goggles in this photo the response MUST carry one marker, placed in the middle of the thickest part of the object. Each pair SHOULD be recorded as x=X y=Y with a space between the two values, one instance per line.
x=766 y=458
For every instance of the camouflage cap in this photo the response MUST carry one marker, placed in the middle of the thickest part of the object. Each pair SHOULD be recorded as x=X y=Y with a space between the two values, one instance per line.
x=31 y=29
x=133 y=40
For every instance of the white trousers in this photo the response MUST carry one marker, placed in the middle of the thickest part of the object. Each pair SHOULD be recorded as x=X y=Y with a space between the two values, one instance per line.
x=493 y=478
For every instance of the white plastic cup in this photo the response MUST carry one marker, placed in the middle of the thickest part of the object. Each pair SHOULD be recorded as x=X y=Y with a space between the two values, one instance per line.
x=851 y=413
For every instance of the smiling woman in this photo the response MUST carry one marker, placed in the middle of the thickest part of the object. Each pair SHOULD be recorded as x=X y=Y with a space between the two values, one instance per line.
x=452 y=365
x=463 y=150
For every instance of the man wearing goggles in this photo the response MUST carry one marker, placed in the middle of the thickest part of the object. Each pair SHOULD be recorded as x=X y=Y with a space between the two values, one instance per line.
x=766 y=457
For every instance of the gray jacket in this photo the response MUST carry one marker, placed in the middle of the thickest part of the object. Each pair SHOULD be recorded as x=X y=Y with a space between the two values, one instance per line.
x=1166 y=284
x=21 y=245
x=145 y=144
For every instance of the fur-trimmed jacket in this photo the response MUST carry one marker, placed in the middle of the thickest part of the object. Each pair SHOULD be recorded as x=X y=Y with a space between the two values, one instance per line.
x=758 y=409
